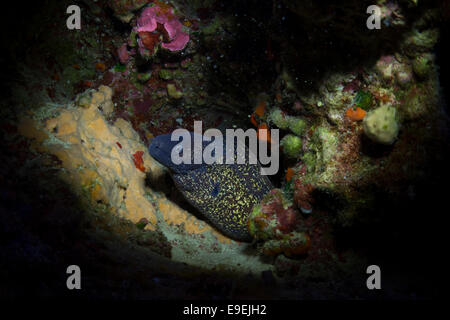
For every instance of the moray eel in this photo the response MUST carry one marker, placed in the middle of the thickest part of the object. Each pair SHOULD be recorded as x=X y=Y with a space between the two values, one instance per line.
x=223 y=193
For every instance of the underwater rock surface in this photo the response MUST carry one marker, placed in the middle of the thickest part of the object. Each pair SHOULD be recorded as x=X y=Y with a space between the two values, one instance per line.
x=108 y=163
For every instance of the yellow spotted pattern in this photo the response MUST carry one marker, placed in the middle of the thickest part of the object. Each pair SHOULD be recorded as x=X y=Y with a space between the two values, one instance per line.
x=225 y=194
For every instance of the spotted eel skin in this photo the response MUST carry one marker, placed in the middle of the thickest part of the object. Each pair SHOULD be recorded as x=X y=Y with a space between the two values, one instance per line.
x=223 y=193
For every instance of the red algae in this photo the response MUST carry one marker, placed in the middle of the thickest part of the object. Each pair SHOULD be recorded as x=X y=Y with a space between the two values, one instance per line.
x=138 y=161
x=149 y=40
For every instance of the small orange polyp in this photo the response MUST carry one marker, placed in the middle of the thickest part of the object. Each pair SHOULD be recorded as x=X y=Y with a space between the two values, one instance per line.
x=100 y=67
x=355 y=114
x=253 y=120
x=289 y=174
x=260 y=109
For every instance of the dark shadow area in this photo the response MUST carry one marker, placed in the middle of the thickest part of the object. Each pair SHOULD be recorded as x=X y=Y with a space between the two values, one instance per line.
x=403 y=233
x=165 y=185
x=442 y=53
x=45 y=227
x=375 y=150
x=308 y=39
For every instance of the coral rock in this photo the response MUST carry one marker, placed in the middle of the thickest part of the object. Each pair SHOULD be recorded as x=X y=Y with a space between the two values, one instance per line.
x=381 y=125
x=123 y=9
x=173 y=92
x=101 y=98
x=148 y=23
x=292 y=145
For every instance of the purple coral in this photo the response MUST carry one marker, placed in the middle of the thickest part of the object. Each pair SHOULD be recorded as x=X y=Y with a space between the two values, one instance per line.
x=178 y=38
x=152 y=16
x=124 y=55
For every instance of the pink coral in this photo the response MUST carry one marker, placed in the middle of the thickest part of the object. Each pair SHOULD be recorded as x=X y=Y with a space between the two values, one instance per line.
x=152 y=16
x=147 y=22
x=178 y=43
x=124 y=55
x=274 y=217
x=178 y=38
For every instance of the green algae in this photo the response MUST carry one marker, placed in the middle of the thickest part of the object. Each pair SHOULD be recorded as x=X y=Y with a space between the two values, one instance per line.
x=165 y=74
x=363 y=100
x=120 y=68
x=292 y=145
